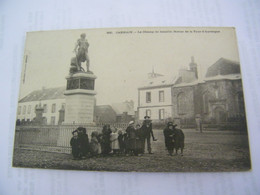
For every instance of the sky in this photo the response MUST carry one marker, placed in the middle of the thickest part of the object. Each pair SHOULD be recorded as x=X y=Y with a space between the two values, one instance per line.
x=121 y=61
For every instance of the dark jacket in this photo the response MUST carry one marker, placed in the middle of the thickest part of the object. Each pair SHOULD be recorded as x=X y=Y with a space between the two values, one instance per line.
x=84 y=144
x=105 y=140
x=75 y=146
x=139 y=138
x=168 y=137
x=131 y=136
x=121 y=141
x=178 y=138
x=147 y=130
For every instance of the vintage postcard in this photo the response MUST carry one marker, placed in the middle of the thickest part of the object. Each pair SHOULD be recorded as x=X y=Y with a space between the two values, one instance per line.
x=161 y=99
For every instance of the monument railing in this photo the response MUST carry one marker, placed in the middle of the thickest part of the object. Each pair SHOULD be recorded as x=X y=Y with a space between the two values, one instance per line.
x=121 y=126
x=37 y=135
x=54 y=138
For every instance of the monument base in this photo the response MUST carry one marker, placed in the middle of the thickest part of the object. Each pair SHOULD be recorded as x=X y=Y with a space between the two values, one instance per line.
x=80 y=98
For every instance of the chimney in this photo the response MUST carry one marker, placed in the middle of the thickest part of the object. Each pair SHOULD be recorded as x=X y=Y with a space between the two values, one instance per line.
x=193 y=67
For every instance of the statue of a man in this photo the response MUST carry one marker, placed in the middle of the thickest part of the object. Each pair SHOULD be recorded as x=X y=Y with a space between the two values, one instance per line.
x=81 y=50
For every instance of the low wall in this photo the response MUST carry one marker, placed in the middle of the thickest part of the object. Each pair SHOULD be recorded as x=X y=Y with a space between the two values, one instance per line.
x=53 y=138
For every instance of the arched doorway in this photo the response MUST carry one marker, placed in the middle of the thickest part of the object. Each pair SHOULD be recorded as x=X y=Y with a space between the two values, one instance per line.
x=220 y=115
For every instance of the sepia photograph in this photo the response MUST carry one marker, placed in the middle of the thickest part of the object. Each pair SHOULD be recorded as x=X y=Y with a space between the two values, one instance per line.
x=142 y=99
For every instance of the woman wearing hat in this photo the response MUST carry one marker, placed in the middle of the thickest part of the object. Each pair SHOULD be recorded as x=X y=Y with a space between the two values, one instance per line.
x=169 y=137
x=131 y=138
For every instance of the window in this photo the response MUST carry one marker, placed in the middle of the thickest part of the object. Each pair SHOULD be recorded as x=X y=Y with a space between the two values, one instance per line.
x=24 y=109
x=148 y=113
x=53 y=108
x=161 y=96
x=19 y=110
x=29 y=109
x=182 y=103
x=53 y=120
x=161 y=114
x=148 y=97
x=205 y=98
x=44 y=108
x=63 y=106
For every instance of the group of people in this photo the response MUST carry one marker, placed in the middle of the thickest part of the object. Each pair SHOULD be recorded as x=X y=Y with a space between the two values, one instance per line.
x=131 y=142
x=113 y=141
x=174 y=138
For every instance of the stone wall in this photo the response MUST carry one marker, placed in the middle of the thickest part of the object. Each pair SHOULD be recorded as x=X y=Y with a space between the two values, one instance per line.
x=185 y=109
x=217 y=101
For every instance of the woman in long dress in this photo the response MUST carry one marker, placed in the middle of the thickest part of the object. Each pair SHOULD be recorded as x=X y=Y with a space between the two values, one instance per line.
x=131 y=138
x=94 y=144
x=114 y=141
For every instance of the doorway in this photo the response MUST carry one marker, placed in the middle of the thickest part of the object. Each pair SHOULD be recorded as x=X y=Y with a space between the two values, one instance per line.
x=220 y=115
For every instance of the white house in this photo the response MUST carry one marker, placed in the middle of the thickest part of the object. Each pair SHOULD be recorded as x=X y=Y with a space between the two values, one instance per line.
x=52 y=100
x=155 y=97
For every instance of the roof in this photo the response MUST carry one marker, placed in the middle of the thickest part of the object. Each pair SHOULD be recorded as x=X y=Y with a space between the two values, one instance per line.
x=45 y=94
x=120 y=108
x=188 y=84
x=159 y=82
x=213 y=78
x=103 y=109
x=224 y=77
x=105 y=113
x=223 y=67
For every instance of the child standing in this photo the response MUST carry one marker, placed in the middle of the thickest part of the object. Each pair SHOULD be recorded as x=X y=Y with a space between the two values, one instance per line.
x=75 y=145
x=114 y=141
x=121 y=142
x=94 y=144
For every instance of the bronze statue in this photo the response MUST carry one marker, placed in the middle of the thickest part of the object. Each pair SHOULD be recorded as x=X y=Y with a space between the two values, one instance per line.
x=81 y=50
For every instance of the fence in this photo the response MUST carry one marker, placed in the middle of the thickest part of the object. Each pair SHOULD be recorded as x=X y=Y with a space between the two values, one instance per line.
x=53 y=138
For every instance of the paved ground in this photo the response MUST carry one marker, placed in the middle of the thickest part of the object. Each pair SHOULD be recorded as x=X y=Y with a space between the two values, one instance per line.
x=208 y=151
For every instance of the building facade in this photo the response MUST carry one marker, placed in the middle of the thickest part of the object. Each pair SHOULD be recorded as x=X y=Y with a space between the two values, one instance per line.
x=217 y=98
x=51 y=100
x=154 y=97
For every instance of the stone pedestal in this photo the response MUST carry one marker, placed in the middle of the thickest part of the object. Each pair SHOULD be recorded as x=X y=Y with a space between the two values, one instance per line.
x=79 y=98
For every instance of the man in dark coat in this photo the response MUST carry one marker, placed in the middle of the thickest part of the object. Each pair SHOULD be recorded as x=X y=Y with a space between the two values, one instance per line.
x=105 y=140
x=131 y=138
x=168 y=135
x=138 y=140
x=178 y=138
x=121 y=140
x=147 y=130
x=84 y=141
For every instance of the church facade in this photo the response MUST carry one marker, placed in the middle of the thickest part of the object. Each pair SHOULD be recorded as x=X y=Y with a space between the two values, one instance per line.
x=217 y=98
